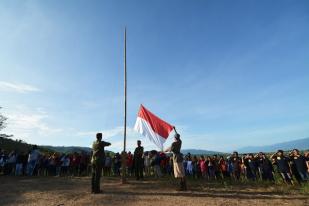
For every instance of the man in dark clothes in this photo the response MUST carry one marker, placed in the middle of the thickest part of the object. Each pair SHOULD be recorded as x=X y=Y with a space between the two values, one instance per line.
x=294 y=171
x=249 y=173
x=300 y=165
x=253 y=166
x=265 y=167
x=97 y=162
x=138 y=160
x=282 y=163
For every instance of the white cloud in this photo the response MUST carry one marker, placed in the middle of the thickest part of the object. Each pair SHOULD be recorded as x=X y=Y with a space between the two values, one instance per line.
x=107 y=134
x=17 y=87
x=28 y=124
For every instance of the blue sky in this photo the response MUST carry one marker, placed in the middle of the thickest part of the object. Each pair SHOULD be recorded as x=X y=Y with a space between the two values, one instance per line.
x=228 y=74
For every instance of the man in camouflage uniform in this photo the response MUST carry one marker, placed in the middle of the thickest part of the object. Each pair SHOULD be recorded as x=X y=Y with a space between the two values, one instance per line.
x=138 y=160
x=97 y=162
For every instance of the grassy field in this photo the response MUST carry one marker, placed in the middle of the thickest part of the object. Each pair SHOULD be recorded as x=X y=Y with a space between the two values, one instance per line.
x=75 y=191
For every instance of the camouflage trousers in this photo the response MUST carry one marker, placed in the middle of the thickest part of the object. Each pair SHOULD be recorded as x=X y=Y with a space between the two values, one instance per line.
x=96 y=177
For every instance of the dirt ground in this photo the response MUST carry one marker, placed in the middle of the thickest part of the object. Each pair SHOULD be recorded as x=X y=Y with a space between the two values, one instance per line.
x=75 y=191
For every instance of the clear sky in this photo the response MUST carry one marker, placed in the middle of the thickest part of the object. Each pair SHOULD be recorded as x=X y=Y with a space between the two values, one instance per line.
x=226 y=73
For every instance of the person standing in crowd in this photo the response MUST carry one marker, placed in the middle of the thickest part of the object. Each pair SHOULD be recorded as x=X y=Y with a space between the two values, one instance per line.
x=138 y=160
x=252 y=166
x=130 y=163
x=203 y=167
x=265 y=167
x=156 y=164
x=11 y=163
x=236 y=162
x=75 y=164
x=189 y=166
x=307 y=160
x=211 y=168
x=223 y=167
x=65 y=163
x=247 y=170
x=169 y=169
x=83 y=164
x=19 y=165
x=300 y=165
x=230 y=168
x=195 y=167
x=117 y=164
x=216 y=167
x=147 y=163
x=107 y=165
x=52 y=165
x=97 y=162
x=293 y=168
x=2 y=161
x=282 y=163
x=33 y=157
x=179 y=171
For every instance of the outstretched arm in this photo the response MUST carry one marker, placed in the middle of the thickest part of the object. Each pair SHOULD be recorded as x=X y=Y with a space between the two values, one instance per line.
x=105 y=144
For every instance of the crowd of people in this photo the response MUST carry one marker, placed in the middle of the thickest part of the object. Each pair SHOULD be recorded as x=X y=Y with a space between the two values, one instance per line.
x=36 y=163
x=291 y=167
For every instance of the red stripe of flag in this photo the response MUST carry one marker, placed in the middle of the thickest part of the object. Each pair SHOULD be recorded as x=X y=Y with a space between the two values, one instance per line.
x=158 y=125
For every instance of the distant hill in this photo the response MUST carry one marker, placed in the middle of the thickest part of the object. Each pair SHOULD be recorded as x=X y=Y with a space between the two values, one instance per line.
x=67 y=149
x=72 y=149
x=9 y=145
x=21 y=146
x=301 y=144
x=199 y=152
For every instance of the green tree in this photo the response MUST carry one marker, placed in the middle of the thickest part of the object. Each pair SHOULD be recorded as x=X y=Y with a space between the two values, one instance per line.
x=2 y=124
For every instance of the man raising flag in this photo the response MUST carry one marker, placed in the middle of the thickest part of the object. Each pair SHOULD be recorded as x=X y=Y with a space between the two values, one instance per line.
x=157 y=131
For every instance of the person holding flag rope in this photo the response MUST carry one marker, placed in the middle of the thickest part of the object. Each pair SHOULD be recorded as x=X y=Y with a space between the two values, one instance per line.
x=179 y=171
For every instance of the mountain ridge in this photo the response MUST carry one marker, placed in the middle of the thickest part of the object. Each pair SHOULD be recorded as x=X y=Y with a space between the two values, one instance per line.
x=301 y=144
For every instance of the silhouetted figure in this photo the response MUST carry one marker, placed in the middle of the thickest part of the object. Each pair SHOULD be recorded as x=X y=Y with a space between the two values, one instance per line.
x=97 y=162
x=138 y=160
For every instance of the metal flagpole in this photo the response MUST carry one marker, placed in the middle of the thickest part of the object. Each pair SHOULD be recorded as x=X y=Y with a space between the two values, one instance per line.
x=124 y=156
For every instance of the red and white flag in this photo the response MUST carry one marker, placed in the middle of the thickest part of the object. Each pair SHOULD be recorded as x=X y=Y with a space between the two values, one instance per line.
x=151 y=126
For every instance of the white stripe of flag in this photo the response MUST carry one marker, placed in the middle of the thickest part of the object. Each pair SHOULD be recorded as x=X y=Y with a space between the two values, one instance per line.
x=152 y=127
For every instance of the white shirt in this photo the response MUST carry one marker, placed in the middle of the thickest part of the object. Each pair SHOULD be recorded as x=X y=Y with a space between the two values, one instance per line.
x=65 y=161
x=147 y=161
x=189 y=165
x=34 y=155
x=12 y=158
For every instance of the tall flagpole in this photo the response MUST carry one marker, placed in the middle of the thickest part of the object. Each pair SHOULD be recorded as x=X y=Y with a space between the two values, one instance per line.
x=124 y=156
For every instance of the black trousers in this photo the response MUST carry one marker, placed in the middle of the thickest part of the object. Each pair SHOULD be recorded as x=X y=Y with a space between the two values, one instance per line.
x=138 y=168
x=96 y=177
